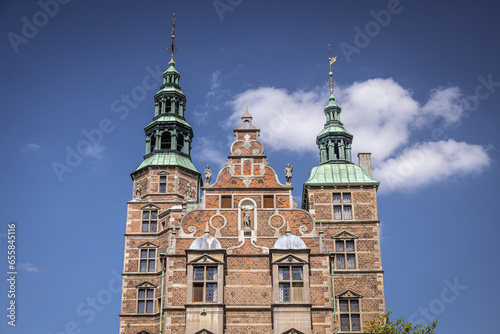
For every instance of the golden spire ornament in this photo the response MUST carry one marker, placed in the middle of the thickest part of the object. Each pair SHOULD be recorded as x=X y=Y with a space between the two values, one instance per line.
x=331 y=82
x=172 y=48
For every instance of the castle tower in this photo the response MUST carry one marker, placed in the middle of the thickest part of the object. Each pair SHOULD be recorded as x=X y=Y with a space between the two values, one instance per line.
x=342 y=198
x=164 y=185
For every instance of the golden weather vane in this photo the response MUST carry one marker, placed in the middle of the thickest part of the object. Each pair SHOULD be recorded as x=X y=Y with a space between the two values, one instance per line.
x=331 y=82
x=172 y=48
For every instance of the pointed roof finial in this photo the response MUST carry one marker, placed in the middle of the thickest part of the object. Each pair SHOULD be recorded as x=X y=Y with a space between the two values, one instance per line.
x=246 y=118
x=172 y=48
x=331 y=82
x=288 y=231
x=207 y=229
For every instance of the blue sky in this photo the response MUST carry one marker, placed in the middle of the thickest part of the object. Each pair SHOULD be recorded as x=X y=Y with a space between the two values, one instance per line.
x=419 y=83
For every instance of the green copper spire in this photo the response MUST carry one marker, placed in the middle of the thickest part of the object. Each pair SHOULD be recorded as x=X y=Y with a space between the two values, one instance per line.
x=169 y=136
x=334 y=142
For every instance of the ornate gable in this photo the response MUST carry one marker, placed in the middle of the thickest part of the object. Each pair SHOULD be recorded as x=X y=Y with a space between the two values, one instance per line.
x=349 y=294
x=150 y=207
x=146 y=285
x=204 y=331
x=290 y=259
x=344 y=235
x=205 y=259
x=148 y=245
x=293 y=331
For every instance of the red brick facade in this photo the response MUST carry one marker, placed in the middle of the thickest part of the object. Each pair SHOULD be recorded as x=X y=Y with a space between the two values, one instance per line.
x=249 y=297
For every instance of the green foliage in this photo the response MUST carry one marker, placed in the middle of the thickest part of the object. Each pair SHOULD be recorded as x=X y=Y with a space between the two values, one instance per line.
x=385 y=326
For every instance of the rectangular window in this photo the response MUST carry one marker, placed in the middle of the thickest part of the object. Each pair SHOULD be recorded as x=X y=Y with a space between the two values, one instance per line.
x=148 y=258
x=291 y=277
x=149 y=221
x=342 y=208
x=349 y=315
x=268 y=201
x=225 y=202
x=145 y=301
x=205 y=287
x=163 y=184
x=345 y=254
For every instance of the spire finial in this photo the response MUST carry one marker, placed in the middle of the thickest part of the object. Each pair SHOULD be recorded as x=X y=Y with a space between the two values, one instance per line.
x=172 y=48
x=331 y=82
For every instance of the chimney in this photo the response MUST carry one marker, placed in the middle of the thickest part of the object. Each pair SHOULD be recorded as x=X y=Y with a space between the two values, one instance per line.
x=365 y=162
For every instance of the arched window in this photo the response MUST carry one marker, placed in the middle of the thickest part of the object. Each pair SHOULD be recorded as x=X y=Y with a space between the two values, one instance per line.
x=180 y=142
x=166 y=140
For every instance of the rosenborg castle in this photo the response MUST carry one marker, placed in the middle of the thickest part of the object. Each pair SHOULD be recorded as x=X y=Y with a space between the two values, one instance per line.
x=228 y=251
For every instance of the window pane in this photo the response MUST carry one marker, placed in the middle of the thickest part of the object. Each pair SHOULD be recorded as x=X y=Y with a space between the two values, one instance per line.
x=163 y=179
x=268 y=201
x=356 y=326
x=344 y=305
x=284 y=273
x=297 y=292
x=163 y=188
x=347 y=198
x=340 y=261
x=297 y=273
x=284 y=292
x=351 y=261
x=354 y=306
x=211 y=273
x=198 y=292
x=337 y=212
x=145 y=227
x=151 y=266
x=143 y=265
x=211 y=292
x=344 y=322
x=140 y=306
x=347 y=212
x=152 y=253
x=153 y=226
x=336 y=198
x=142 y=293
x=144 y=253
x=198 y=273
x=349 y=245
x=145 y=215
x=225 y=202
x=154 y=214
x=149 y=306
x=151 y=293
x=339 y=246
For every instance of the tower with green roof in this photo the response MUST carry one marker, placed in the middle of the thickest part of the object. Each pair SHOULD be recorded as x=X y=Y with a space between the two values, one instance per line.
x=166 y=185
x=342 y=198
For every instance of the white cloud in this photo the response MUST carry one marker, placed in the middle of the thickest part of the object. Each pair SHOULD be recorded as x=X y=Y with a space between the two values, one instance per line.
x=382 y=116
x=210 y=151
x=430 y=162
x=29 y=267
x=94 y=151
x=31 y=147
x=287 y=120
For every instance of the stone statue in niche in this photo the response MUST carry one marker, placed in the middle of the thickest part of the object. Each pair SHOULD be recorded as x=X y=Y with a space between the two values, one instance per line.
x=190 y=192
x=246 y=219
x=137 y=191
x=208 y=175
x=288 y=174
